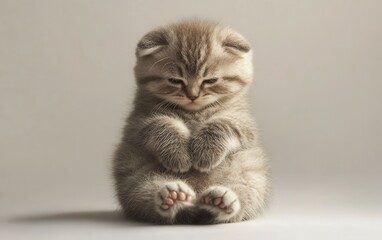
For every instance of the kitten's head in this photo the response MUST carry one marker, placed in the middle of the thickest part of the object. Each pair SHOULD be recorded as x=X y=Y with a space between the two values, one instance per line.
x=194 y=64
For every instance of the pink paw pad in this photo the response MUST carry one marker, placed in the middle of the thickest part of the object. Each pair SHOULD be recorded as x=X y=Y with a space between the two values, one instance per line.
x=216 y=202
x=173 y=197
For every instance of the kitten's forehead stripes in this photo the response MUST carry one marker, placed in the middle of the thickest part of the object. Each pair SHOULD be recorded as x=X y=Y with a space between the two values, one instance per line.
x=205 y=72
x=194 y=46
x=180 y=71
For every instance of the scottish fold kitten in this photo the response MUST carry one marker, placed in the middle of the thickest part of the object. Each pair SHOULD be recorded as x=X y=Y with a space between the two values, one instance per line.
x=189 y=152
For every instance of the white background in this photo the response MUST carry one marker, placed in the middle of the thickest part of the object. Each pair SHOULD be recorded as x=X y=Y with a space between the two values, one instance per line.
x=66 y=85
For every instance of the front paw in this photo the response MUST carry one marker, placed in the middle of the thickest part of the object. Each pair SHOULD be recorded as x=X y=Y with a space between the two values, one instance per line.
x=206 y=152
x=177 y=161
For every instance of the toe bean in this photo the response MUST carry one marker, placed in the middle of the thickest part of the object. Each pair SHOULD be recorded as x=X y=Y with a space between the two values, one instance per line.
x=169 y=201
x=173 y=195
x=217 y=201
x=182 y=196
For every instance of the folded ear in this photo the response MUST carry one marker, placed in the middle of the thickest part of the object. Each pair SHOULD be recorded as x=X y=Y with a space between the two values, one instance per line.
x=235 y=43
x=151 y=43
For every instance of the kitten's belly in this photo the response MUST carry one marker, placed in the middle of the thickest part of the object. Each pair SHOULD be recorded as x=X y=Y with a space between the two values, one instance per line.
x=198 y=180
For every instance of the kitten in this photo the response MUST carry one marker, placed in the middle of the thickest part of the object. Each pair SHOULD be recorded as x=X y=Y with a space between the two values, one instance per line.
x=190 y=153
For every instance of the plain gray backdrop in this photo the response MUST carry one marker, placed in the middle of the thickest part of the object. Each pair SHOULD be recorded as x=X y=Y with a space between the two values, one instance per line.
x=66 y=86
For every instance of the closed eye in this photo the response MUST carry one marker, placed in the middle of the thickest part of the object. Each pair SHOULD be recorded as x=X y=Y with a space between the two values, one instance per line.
x=210 y=81
x=176 y=81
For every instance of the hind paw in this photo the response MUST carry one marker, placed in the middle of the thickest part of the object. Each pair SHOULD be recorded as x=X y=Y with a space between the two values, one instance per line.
x=222 y=201
x=172 y=197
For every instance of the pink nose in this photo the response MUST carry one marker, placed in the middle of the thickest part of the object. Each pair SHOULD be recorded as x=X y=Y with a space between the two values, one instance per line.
x=192 y=98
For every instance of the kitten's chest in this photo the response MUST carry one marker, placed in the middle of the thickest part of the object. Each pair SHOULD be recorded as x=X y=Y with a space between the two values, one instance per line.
x=193 y=124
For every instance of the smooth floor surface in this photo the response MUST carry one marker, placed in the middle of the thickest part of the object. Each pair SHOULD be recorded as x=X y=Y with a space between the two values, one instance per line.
x=323 y=212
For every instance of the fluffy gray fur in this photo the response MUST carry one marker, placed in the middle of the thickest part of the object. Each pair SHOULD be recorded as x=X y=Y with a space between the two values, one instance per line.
x=190 y=134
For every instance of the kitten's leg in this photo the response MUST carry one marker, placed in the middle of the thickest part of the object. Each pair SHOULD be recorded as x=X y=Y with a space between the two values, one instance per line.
x=221 y=201
x=167 y=139
x=155 y=197
x=238 y=189
x=172 y=197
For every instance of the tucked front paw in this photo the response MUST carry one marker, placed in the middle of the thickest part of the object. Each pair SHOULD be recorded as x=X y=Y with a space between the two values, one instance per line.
x=178 y=163
x=206 y=152
x=167 y=139
x=207 y=158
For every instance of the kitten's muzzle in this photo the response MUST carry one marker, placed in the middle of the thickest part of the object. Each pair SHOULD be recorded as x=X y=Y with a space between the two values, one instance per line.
x=192 y=98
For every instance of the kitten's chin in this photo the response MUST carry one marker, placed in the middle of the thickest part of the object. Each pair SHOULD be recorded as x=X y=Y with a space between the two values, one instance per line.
x=193 y=106
x=197 y=106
